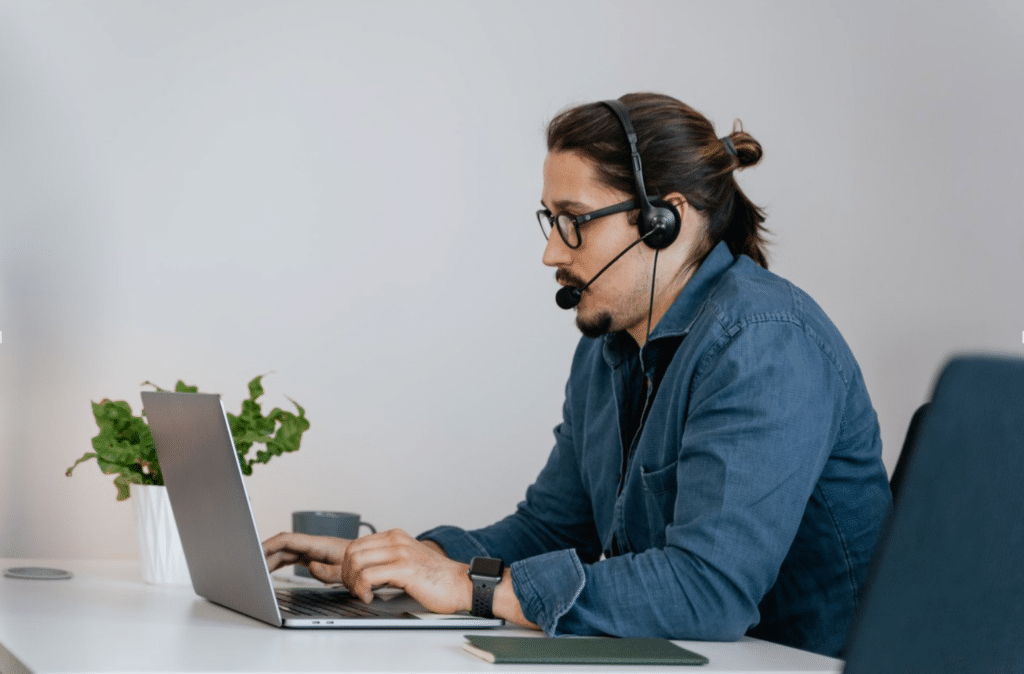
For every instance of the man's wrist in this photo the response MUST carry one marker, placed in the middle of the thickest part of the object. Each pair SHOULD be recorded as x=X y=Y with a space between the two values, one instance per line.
x=506 y=603
x=467 y=594
x=433 y=545
x=485 y=573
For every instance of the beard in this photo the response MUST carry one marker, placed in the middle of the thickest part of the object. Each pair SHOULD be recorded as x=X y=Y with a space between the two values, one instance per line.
x=592 y=326
x=595 y=326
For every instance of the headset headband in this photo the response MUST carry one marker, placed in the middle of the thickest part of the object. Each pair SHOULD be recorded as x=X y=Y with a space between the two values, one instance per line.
x=622 y=113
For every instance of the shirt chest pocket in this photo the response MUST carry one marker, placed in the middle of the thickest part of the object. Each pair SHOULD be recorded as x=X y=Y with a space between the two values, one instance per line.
x=660 y=487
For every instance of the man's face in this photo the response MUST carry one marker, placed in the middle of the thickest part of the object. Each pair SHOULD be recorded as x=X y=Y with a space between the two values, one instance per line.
x=618 y=300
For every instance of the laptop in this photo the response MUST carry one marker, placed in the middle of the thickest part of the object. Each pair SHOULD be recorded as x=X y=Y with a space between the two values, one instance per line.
x=946 y=592
x=218 y=531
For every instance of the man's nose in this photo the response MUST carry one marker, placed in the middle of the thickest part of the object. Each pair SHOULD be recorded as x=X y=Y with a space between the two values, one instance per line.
x=556 y=253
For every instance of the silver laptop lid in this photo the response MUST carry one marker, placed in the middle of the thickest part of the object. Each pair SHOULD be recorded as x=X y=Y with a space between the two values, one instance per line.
x=210 y=502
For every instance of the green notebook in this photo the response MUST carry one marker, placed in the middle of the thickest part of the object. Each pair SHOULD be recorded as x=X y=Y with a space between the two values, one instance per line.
x=580 y=651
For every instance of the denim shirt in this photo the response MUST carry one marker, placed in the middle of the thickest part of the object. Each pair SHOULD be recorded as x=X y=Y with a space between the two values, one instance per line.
x=750 y=500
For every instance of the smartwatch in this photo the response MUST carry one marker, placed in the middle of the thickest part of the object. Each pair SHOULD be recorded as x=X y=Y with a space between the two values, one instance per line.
x=485 y=572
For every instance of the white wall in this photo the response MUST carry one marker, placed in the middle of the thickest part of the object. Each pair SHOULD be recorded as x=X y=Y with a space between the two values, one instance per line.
x=343 y=193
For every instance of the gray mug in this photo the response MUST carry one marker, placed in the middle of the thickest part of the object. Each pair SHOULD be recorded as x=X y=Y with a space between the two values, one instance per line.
x=327 y=523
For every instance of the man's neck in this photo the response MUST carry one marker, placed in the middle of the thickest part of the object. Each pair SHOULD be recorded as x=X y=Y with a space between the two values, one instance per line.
x=662 y=302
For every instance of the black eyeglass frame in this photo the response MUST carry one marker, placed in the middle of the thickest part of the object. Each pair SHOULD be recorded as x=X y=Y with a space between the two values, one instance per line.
x=556 y=218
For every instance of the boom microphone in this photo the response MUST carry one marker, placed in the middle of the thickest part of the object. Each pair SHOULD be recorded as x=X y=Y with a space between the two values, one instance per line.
x=568 y=297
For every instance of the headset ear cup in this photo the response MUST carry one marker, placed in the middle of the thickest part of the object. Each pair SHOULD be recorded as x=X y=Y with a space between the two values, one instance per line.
x=662 y=221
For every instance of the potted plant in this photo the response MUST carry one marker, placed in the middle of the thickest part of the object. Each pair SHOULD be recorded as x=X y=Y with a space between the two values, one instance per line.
x=124 y=448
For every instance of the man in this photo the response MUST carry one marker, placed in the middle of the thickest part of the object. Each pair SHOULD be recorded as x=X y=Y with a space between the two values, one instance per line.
x=718 y=467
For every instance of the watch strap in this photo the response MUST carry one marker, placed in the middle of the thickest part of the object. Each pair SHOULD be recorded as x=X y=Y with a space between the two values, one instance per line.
x=483 y=598
x=483 y=589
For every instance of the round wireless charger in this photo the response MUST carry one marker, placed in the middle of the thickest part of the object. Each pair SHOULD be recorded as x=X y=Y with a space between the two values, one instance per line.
x=37 y=573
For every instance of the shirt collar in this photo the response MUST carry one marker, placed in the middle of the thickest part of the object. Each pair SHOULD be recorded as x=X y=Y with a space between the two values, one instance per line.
x=680 y=316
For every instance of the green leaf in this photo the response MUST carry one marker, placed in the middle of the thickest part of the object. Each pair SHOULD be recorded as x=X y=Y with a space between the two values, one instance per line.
x=112 y=413
x=82 y=459
x=123 y=446
x=249 y=437
x=256 y=388
x=250 y=427
x=122 y=483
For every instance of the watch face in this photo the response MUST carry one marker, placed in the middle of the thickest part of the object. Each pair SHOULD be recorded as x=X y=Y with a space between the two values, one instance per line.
x=486 y=566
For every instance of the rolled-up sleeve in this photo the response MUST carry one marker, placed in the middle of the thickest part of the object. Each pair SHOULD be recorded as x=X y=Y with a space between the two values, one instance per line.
x=547 y=586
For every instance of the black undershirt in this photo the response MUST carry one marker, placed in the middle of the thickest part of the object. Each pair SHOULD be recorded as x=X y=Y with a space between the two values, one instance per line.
x=635 y=390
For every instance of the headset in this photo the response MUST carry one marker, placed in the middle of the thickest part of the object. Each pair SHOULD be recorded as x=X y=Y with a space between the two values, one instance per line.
x=660 y=221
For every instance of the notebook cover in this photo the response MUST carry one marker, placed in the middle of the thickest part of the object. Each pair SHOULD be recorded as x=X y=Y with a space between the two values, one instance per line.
x=580 y=651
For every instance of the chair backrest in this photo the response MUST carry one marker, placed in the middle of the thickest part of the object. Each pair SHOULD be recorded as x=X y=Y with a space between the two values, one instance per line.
x=946 y=592
x=896 y=481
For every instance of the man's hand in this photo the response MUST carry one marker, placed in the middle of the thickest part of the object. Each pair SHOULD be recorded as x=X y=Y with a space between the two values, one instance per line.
x=389 y=558
x=323 y=555
x=394 y=558
x=397 y=559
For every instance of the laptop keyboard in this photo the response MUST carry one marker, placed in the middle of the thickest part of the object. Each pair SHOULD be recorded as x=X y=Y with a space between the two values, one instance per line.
x=317 y=603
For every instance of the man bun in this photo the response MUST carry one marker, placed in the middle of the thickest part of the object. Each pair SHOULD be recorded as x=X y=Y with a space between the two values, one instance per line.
x=746 y=148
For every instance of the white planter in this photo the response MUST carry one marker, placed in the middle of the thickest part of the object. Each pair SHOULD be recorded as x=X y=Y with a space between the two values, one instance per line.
x=161 y=558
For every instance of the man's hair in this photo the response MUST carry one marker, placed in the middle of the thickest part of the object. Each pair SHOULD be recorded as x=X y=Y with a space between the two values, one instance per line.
x=680 y=153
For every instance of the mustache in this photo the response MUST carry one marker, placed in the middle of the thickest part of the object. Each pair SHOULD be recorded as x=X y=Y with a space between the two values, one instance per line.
x=567 y=278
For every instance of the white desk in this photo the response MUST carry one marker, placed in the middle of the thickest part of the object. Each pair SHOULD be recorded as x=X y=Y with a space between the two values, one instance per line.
x=106 y=619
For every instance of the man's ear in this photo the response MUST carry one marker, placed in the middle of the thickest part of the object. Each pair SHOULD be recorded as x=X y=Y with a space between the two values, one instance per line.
x=679 y=201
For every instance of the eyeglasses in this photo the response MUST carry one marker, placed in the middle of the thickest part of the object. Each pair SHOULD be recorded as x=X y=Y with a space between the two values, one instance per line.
x=568 y=226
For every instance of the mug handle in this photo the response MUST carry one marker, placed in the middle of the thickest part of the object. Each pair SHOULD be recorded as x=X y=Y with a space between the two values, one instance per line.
x=372 y=528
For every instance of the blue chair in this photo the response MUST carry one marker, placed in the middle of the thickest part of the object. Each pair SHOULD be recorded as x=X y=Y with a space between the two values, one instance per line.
x=896 y=481
x=946 y=592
